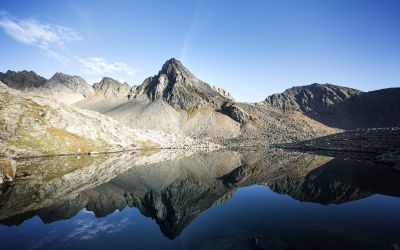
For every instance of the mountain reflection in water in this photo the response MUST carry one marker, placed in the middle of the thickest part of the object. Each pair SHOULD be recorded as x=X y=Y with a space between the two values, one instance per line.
x=222 y=199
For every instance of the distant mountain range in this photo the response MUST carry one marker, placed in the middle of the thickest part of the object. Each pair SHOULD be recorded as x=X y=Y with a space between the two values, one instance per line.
x=175 y=85
x=175 y=101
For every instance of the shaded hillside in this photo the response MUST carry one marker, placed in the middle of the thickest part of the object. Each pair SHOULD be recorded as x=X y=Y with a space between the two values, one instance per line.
x=382 y=143
x=22 y=80
x=341 y=107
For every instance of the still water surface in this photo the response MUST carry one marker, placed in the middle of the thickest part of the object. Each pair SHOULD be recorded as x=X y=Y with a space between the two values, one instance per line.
x=220 y=200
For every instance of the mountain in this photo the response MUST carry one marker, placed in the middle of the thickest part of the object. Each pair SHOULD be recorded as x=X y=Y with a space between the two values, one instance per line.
x=32 y=124
x=62 y=87
x=22 y=80
x=175 y=100
x=341 y=107
x=180 y=88
x=314 y=98
x=66 y=88
x=111 y=88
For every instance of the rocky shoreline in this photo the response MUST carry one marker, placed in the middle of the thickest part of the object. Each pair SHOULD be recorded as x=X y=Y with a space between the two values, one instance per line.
x=378 y=144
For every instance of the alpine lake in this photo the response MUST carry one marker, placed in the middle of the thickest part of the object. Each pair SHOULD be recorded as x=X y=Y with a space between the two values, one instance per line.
x=227 y=199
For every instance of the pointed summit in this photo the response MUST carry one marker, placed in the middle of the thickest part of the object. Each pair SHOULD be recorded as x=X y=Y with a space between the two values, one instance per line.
x=175 y=70
x=176 y=85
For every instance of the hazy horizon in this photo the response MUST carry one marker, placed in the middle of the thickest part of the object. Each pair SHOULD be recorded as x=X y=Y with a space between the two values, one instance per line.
x=250 y=49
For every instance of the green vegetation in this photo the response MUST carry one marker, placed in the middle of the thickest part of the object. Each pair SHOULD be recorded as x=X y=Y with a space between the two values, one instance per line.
x=58 y=141
x=148 y=144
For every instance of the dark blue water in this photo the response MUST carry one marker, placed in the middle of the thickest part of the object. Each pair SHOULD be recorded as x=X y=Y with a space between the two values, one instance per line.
x=254 y=217
x=340 y=204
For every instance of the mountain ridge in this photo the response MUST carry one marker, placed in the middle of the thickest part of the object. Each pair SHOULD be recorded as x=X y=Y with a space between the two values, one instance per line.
x=341 y=107
x=177 y=101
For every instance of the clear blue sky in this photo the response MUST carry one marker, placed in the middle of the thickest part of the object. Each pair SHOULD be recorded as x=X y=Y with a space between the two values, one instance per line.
x=251 y=48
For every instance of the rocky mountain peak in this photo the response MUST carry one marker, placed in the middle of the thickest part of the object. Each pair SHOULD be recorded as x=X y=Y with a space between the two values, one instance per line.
x=311 y=98
x=175 y=71
x=22 y=80
x=76 y=84
x=111 y=87
x=178 y=86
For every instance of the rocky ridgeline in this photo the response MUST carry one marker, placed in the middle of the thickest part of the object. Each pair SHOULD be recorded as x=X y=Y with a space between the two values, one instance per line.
x=65 y=88
x=176 y=102
x=22 y=80
x=111 y=88
x=341 y=107
x=314 y=98
x=383 y=144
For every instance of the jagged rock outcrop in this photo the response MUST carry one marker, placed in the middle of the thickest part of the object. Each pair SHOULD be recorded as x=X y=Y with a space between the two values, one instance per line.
x=341 y=107
x=22 y=80
x=235 y=112
x=36 y=125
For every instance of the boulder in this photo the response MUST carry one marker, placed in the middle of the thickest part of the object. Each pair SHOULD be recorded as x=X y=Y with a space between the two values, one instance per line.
x=8 y=168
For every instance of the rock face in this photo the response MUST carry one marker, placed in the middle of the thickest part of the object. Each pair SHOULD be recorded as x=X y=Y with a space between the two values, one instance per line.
x=22 y=80
x=65 y=88
x=36 y=125
x=341 y=107
x=318 y=98
x=111 y=88
x=176 y=85
x=176 y=101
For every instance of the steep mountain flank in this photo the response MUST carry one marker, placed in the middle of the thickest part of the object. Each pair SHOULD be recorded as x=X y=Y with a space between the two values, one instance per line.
x=341 y=107
x=36 y=125
x=176 y=101
x=180 y=88
x=22 y=80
